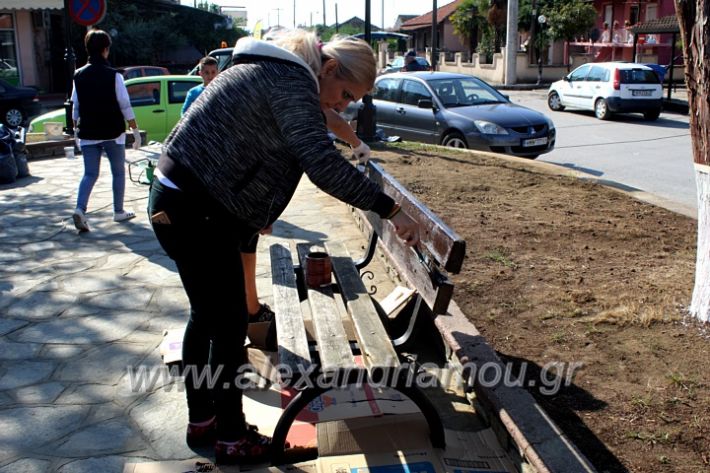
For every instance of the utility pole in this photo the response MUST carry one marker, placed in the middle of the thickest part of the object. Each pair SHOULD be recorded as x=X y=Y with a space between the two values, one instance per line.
x=337 y=27
x=323 y=13
x=434 y=39
x=511 y=43
x=383 y=15
x=70 y=61
x=366 y=118
x=278 y=16
x=294 y=14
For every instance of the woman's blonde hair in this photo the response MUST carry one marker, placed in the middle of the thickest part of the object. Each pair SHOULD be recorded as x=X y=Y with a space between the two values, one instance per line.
x=356 y=60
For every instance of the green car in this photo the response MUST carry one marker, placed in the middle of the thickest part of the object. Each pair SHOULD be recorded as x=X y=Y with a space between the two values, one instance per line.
x=156 y=101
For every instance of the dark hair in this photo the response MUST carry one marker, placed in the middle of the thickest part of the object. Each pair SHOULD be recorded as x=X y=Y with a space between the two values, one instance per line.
x=208 y=61
x=96 y=41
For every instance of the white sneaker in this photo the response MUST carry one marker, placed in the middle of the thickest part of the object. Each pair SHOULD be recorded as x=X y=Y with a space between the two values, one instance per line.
x=123 y=215
x=80 y=221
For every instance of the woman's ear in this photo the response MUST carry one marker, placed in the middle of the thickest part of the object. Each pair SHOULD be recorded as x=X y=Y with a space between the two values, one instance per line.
x=328 y=68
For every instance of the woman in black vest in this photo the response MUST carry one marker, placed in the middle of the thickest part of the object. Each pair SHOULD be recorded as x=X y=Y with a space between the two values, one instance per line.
x=101 y=108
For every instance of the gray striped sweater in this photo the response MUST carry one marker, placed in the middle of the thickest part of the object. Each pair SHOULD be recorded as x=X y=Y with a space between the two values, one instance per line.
x=251 y=134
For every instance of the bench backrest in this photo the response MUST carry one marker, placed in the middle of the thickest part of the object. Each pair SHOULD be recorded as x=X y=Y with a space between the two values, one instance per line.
x=441 y=249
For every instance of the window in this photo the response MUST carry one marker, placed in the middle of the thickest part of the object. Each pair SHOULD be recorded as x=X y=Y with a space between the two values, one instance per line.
x=596 y=74
x=398 y=62
x=638 y=76
x=132 y=74
x=413 y=92
x=177 y=90
x=147 y=93
x=579 y=73
x=387 y=89
x=8 y=53
x=152 y=71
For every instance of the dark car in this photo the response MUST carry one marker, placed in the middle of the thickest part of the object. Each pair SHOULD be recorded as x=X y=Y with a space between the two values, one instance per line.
x=457 y=110
x=398 y=64
x=223 y=57
x=17 y=104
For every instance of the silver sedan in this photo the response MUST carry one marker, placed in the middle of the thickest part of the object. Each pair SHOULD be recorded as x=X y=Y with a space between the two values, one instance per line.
x=457 y=110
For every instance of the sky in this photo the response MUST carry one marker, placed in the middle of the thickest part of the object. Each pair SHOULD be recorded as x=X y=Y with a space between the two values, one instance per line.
x=271 y=11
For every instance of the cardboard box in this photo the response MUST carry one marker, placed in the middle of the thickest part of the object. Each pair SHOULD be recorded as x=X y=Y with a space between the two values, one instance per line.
x=196 y=465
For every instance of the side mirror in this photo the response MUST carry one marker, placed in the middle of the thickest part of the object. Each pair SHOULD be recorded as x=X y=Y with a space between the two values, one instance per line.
x=425 y=103
x=568 y=78
x=507 y=97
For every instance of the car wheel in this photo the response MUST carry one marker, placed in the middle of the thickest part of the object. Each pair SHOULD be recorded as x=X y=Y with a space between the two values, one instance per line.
x=531 y=156
x=13 y=117
x=454 y=140
x=554 y=102
x=652 y=115
x=601 y=110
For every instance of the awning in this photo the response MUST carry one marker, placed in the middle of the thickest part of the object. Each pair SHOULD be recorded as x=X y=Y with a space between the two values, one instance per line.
x=32 y=5
x=667 y=24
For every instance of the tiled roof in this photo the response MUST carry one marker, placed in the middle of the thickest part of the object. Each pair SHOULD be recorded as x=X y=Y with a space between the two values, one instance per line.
x=667 y=24
x=424 y=20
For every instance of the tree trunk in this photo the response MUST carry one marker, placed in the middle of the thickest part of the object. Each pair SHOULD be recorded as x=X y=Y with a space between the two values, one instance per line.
x=693 y=16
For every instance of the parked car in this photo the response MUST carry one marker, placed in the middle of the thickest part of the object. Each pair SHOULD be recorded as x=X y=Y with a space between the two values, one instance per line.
x=608 y=88
x=131 y=72
x=17 y=104
x=398 y=64
x=223 y=57
x=457 y=110
x=156 y=101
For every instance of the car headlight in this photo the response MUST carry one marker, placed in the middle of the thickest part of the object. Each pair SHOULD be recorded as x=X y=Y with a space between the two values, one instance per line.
x=490 y=128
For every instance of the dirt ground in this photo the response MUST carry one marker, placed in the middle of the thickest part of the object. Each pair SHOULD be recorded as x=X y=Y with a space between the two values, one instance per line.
x=560 y=269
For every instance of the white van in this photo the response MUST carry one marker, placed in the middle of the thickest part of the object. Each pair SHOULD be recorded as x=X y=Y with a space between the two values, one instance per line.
x=607 y=88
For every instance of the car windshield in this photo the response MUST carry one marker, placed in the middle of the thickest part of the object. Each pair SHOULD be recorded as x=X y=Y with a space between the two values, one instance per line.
x=464 y=92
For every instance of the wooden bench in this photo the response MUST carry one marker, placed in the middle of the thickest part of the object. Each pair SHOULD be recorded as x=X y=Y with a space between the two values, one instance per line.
x=328 y=361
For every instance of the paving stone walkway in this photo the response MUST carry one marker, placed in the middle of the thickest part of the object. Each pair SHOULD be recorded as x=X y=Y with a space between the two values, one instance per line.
x=80 y=312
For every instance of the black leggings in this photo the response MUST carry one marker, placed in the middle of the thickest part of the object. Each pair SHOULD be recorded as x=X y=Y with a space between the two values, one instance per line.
x=205 y=248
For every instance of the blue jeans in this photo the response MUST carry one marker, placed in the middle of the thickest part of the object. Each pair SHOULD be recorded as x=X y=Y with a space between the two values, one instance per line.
x=92 y=160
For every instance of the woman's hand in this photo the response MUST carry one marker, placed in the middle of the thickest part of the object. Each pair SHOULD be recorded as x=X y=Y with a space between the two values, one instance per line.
x=361 y=152
x=406 y=228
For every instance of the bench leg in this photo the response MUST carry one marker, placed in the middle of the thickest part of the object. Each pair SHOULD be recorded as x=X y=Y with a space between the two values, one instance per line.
x=278 y=441
x=436 y=428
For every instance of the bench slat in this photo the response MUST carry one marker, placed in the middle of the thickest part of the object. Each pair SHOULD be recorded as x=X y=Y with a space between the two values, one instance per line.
x=447 y=247
x=290 y=329
x=375 y=345
x=332 y=341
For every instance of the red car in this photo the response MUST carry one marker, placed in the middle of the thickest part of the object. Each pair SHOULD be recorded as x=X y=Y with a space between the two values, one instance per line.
x=132 y=72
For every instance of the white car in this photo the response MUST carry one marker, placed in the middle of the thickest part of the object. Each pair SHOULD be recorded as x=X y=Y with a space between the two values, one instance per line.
x=608 y=88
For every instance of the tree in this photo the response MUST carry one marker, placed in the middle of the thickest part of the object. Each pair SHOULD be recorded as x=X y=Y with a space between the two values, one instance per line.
x=570 y=18
x=694 y=18
x=467 y=22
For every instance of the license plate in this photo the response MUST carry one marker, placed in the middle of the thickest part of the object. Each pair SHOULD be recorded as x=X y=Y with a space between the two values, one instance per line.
x=535 y=141
x=641 y=93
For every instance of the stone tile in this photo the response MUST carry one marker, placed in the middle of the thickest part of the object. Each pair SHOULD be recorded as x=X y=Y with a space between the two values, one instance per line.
x=62 y=351
x=85 y=394
x=114 y=436
x=23 y=373
x=18 y=351
x=103 y=365
x=162 y=418
x=24 y=429
x=10 y=325
x=41 y=305
x=125 y=299
x=44 y=393
x=84 y=330
x=106 y=464
x=26 y=465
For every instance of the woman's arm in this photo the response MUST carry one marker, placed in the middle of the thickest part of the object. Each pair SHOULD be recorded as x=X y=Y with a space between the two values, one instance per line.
x=344 y=131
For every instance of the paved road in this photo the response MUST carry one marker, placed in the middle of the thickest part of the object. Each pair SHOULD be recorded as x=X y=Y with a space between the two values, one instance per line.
x=654 y=157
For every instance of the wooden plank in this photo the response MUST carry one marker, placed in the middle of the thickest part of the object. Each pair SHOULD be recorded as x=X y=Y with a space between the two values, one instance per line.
x=408 y=265
x=290 y=329
x=376 y=347
x=331 y=339
x=442 y=242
